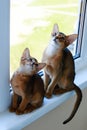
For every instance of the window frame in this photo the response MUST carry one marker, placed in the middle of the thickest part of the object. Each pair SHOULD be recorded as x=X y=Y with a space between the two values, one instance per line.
x=4 y=54
x=5 y=96
x=81 y=61
x=81 y=20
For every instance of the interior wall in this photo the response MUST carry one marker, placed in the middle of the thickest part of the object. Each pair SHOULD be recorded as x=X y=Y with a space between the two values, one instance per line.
x=53 y=120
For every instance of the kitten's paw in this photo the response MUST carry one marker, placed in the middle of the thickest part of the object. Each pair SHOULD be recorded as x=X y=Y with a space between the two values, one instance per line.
x=19 y=112
x=11 y=109
x=56 y=92
x=28 y=111
x=48 y=95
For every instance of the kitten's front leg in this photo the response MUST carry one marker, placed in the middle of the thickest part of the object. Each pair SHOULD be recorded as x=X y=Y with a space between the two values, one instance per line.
x=46 y=80
x=22 y=106
x=51 y=87
x=14 y=104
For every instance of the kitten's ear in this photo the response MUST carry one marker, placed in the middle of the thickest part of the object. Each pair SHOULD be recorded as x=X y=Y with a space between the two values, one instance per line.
x=26 y=53
x=71 y=38
x=55 y=30
x=40 y=66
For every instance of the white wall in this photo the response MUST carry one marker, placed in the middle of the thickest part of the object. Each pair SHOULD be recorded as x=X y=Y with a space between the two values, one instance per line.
x=53 y=120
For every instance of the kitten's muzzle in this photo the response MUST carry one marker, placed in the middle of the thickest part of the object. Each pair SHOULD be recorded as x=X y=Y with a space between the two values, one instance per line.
x=55 y=39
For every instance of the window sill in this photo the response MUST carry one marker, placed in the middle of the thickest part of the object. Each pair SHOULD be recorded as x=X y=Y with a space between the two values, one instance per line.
x=10 y=121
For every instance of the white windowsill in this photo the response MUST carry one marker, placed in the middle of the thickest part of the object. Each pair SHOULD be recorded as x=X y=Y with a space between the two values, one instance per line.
x=10 y=121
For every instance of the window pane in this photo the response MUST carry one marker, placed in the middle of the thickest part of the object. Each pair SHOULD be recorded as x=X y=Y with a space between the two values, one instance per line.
x=81 y=22
x=32 y=22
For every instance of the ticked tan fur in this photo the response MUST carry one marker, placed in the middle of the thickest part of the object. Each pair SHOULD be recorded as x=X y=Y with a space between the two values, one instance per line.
x=28 y=87
x=59 y=71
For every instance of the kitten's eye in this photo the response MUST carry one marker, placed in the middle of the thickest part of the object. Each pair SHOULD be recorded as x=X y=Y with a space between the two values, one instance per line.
x=30 y=59
x=62 y=38
x=36 y=64
x=56 y=38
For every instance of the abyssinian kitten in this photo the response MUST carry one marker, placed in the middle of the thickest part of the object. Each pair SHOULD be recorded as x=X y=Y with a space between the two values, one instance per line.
x=59 y=71
x=28 y=87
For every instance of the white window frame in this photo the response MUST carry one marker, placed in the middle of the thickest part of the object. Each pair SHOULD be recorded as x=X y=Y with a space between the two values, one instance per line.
x=4 y=53
x=10 y=120
x=81 y=62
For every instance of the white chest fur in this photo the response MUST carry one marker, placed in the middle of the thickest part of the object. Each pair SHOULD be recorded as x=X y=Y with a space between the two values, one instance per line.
x=52 y=49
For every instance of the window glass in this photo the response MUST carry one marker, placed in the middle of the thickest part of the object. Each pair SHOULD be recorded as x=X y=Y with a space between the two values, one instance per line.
x=81 y=22
x=32 y=21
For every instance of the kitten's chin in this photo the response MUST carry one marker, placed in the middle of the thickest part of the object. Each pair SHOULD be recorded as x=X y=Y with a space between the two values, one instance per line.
x=24 y=71
x=54 y=43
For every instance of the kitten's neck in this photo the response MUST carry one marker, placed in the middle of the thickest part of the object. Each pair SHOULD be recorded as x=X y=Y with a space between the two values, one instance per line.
x=53 y=44
x=18 y=72
x=52 y=49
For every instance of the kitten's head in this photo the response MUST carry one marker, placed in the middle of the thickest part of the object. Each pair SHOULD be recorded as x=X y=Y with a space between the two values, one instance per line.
x=61 y=39
x=29 y=65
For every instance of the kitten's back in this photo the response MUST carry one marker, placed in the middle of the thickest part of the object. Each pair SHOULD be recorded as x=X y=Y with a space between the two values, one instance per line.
x=68 y=62
x=37 y=83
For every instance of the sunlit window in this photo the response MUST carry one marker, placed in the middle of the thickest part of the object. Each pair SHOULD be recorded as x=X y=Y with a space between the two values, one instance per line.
x=32 y=22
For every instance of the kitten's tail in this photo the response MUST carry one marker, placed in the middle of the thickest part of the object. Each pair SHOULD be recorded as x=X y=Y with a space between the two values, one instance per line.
x=77 y=103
